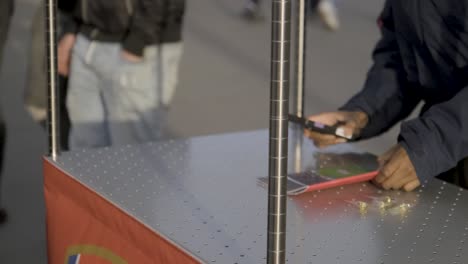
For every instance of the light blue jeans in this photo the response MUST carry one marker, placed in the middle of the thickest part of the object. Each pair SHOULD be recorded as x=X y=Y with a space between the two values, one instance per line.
x=112 y=101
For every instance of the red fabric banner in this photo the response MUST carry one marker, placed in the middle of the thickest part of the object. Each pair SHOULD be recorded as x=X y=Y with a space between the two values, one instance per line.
x=84 y=228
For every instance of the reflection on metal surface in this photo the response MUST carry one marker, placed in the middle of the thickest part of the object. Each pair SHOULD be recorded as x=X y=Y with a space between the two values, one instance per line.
x=297 y=140
x=399 y=204
x=387 y=200
x=203 y=195
x=404 y=208
x=363 y=207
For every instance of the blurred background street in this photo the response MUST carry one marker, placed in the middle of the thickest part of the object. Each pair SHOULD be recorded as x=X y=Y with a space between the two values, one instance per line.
x=224 y=87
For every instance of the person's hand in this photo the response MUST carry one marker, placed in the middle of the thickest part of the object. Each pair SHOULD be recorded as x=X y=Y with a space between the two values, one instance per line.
x=353 y=123
x=397 y=171
x=64 y=49
x=131 y=57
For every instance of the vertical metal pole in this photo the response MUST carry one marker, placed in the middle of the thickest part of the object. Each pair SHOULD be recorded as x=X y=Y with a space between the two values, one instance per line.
x=52 y=77
x=298 y=143
x=299 y=66
x=299 y=77
x=279 y=108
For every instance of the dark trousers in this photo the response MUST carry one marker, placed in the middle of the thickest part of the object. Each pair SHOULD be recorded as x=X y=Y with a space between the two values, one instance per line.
x=64 y=119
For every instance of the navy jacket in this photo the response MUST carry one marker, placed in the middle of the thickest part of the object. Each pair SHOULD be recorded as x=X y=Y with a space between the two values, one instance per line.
x=422 y=56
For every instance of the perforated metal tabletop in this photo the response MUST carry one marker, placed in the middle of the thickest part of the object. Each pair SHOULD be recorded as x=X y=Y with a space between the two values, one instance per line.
x=203 y=195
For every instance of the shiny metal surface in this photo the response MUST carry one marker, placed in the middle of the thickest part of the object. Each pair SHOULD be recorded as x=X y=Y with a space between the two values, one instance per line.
x=52 y=77
x=278 y=145
x=203 y=195
x=299 y=64
x=297 y=141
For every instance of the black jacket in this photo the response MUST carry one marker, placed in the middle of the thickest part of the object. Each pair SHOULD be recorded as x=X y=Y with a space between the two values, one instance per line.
x=422 y=56
x=134 y=23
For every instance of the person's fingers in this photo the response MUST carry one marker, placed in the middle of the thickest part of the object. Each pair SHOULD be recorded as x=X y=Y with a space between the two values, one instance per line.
x=397 y=171
x=400 y=178
x=323 y=140
x=318 y=137
x=347 y=131
x=330 y=143
x=386 y=156
x=327 y=140
x=387 y=170
x=411 y=186
x=131 y=57
x=329 y=119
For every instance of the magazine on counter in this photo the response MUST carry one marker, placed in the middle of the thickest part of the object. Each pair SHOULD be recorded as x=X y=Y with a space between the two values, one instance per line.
x=332 y=170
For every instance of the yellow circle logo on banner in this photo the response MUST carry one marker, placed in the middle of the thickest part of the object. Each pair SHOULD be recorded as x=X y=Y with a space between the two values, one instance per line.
x=78 y=254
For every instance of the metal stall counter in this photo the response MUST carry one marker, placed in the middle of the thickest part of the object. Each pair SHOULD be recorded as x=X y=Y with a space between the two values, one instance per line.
x=199 y=201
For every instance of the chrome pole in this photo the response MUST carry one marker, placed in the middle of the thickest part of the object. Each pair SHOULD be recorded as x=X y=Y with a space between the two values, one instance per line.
x=299 y=77
x=52 y=77
x=299 y=66
x=298 y=143
x=278 y=149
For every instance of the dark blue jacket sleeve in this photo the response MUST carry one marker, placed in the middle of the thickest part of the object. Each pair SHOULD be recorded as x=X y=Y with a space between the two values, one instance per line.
x=387 y=97
x=438 y=139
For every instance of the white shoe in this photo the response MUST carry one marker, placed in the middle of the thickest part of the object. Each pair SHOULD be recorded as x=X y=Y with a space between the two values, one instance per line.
x=329 y=14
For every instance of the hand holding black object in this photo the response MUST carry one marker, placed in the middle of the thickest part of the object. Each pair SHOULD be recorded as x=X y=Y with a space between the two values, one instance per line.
x=347 y=125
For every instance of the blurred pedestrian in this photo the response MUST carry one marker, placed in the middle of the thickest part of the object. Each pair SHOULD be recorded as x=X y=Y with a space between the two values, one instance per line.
x=123 y=70
x=325 y=8
x=6 y=11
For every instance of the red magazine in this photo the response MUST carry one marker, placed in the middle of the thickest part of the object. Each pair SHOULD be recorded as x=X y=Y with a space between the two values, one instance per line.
x=332 y=170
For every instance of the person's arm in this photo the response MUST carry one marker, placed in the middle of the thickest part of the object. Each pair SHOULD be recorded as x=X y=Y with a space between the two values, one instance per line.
x=387 y=97
x=428 y=145
x=438 y=140
x=145 y=26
